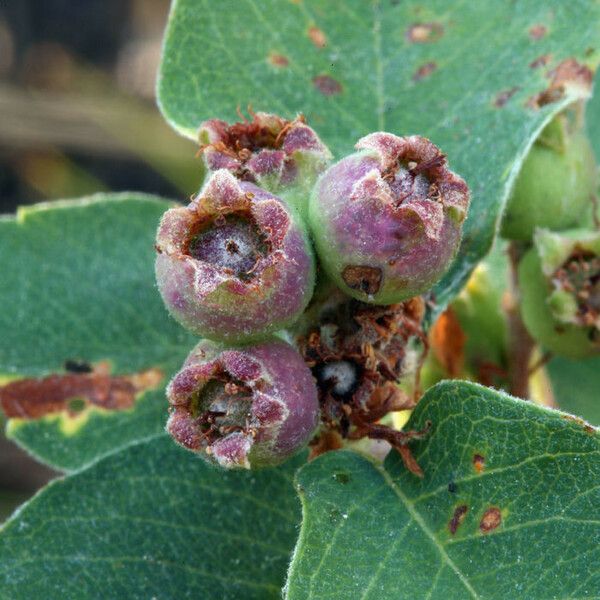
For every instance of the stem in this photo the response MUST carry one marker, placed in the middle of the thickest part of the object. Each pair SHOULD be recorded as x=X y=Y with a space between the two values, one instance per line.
x=520 y=343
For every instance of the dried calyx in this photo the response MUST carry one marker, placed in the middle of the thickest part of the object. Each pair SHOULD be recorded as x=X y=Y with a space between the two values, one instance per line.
x=230 y=242
x=243 y=407
x=387 y=220
x=270 y=151
x=358 y=353
x=235 y=263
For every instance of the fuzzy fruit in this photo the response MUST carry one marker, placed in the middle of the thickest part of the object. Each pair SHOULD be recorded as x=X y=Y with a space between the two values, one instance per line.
x=281 y=156
x=243 y=407
x=387 y=220
x=235 y=264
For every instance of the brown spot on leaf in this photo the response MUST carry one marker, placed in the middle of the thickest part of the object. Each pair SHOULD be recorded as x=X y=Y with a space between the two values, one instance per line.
x=423 y=33
x=503 y=97
x=492 y=517
x=278 y=60
x=363 y=278
x=447 y=340
x=424 y=71
x=327 y=85
x=571 y=72
x=35 y=398
x=478 y=463
x=317 y=37
x=460 y=512
x=583 y=424
x=568 y=74
x=537 y=32
x=540 y=61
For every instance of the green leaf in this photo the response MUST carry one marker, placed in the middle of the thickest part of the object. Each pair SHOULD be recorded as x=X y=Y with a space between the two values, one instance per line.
x=153 y=521
x=593 y=117
x=575 y=384
x=459 y=73
x=375 y=532
x=78 y=285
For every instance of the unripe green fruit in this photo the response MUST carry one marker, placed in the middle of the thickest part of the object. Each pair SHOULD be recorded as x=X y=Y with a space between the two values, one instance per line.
x=558 y=280
x=555 y=184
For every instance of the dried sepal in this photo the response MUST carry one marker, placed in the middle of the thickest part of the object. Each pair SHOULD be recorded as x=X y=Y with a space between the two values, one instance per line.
x=275 y=153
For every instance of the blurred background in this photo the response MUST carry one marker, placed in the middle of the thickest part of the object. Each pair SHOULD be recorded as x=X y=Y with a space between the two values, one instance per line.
x=78 y=116
x=77 y=104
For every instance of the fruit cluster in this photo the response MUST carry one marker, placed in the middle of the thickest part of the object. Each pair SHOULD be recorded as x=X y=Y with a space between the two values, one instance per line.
x=304 y=279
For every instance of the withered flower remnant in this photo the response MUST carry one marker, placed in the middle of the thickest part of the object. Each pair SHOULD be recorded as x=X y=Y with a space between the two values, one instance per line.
x=282 y=156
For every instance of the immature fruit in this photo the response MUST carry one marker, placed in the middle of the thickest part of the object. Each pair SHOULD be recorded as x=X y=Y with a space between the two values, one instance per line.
x=250 y=406
x=387 y=219
x=281 y=156
x=555 y=184
x=559 y=281
x=234 y=264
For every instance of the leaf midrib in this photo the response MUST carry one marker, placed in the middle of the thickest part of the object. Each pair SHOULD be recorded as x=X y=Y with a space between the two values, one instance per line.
x=421 y=523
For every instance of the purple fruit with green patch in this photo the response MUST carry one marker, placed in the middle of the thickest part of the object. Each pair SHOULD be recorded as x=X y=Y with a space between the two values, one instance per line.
x=243 y=407
x=387 y=220
x=235 y=264
x=559 y=282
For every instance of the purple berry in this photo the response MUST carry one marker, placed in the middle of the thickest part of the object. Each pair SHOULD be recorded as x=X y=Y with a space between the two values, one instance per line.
x=281 y=156
x=246 y=407
x=387 y=220
x=235 y=264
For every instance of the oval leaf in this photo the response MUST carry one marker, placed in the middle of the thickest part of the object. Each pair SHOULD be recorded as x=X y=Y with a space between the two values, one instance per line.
x=508 y=508
x=153 y=521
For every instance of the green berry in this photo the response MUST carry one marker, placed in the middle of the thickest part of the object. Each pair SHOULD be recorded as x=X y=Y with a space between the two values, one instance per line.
x=556 y=181
x=559 y=279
